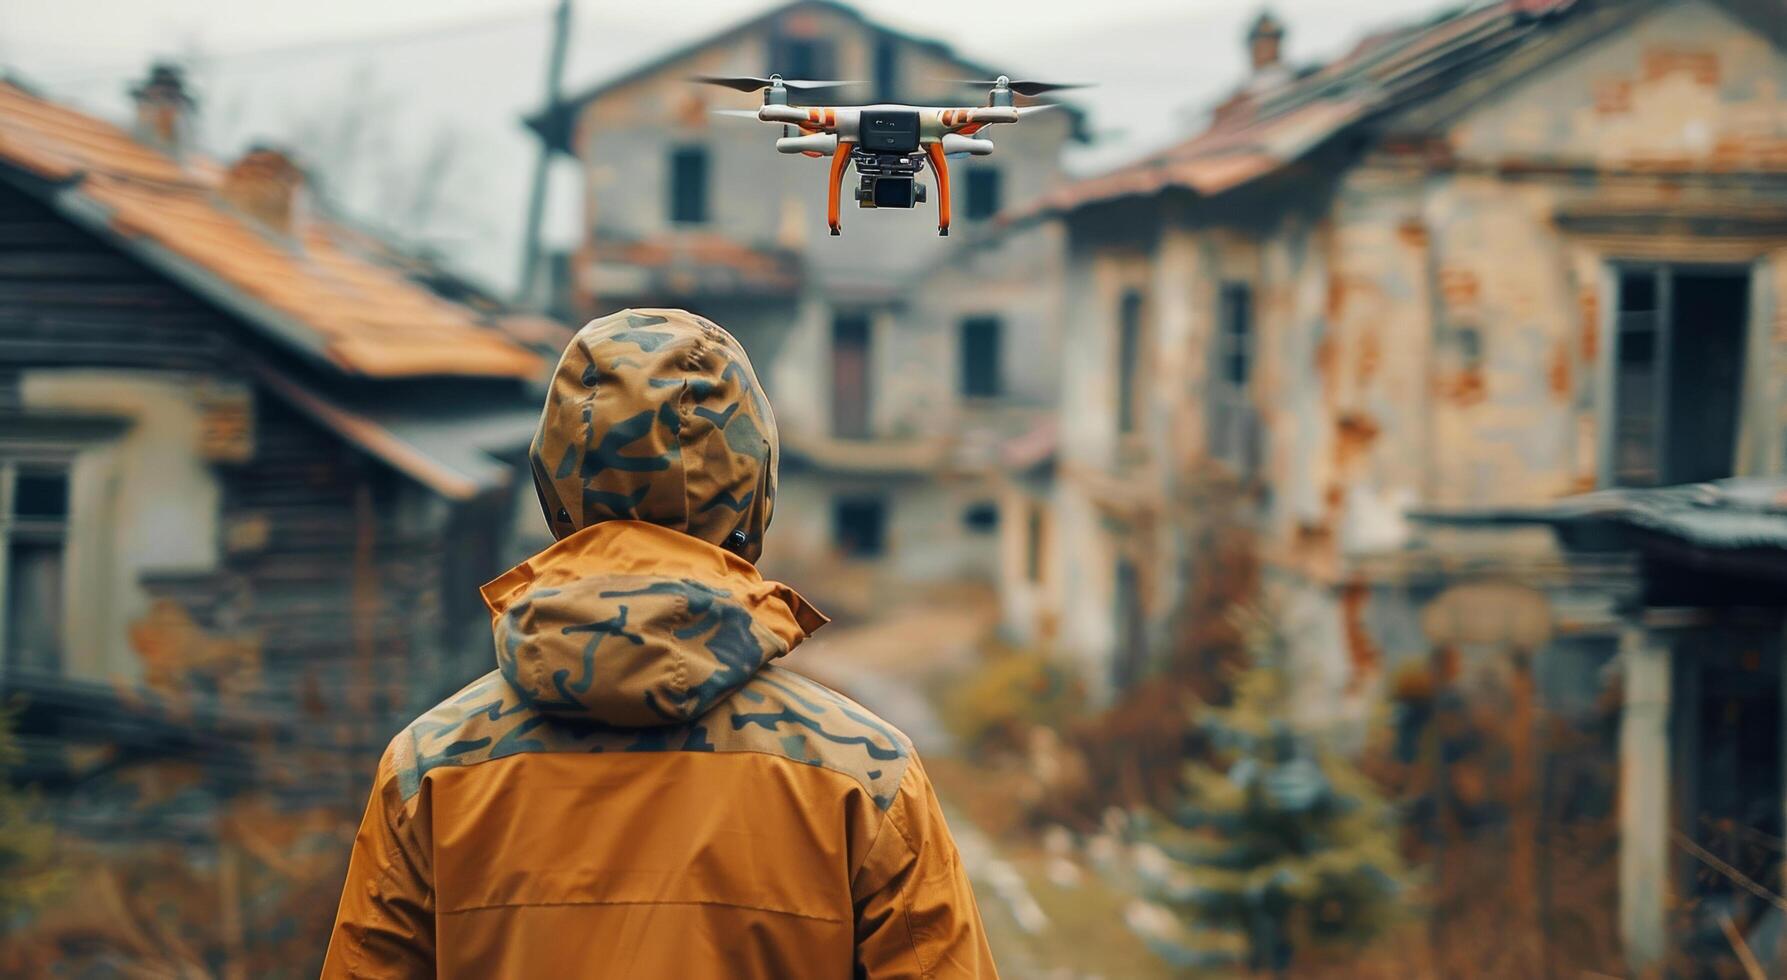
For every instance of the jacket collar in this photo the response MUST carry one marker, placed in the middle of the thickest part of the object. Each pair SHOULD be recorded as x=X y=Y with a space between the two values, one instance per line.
x=638 y=548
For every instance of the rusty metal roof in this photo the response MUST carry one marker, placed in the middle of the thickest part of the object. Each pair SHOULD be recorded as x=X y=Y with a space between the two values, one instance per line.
x=1733 y=514
x=1255 y=133
x=320 y=291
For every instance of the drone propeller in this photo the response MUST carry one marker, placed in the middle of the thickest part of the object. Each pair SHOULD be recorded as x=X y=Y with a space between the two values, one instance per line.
x=751 y=83
x=737 y=113
x=1024 y=87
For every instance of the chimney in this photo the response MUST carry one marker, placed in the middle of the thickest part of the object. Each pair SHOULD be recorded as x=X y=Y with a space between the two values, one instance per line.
x=164 y=110
x=264 y=185
x=1265 y=43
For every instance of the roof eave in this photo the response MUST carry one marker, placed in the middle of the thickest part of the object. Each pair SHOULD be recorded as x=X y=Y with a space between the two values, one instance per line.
x=371 y=437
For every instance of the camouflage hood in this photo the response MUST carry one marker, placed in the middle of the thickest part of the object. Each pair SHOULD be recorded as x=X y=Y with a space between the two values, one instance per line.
x=656 y=416
x=655 y=465
x=632 y=625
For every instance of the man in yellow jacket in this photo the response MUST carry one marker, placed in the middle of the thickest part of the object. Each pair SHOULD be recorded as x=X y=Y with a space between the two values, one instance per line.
x=635 y=791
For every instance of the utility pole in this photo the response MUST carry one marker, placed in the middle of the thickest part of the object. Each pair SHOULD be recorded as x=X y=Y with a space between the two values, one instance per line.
x=536 y=202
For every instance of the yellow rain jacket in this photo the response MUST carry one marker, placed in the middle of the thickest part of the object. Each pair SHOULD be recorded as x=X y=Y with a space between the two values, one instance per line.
x=636 y=791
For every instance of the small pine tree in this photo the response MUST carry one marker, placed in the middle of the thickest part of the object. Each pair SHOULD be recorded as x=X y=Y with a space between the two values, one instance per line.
x=1278 y=845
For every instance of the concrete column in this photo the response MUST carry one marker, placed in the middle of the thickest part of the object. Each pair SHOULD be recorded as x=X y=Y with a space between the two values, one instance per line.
x=1644 y=769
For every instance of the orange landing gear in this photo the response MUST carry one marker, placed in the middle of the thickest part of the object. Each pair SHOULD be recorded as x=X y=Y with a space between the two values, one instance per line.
x=840 y=162
x=940 y=165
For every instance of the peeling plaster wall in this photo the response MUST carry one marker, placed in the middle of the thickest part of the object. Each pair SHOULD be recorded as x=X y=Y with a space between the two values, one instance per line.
x=1430 y=327
x=1685 y=88
x=142 y=502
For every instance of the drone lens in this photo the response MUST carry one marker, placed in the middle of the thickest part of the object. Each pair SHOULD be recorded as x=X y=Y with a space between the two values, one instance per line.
x=894 y=192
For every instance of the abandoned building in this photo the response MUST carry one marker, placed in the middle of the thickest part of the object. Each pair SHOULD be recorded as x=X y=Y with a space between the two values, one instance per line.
x=1697 y=575
x=1517 y=252
x=897 y=360
x=254 y=464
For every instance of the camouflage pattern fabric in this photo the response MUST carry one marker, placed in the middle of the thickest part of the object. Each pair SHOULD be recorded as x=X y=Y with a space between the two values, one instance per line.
x=655 y=415
x=778 y=712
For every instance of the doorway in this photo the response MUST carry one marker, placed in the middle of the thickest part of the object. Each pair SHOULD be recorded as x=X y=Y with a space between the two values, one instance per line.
x=850 y=373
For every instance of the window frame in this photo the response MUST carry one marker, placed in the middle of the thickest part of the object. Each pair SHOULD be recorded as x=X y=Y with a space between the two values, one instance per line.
x=981 y=517
x=1230 y=423
x=703 y=193
x=1607 y=402
x=78 y=444
x=1132 y=316
x=978 y=205
x=859 y=325
x=1226 y=334
x=15 y=457
x=839 y=504
x=971 y=384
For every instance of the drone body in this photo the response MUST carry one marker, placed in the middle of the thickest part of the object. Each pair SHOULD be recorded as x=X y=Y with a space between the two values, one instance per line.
x=889 y=144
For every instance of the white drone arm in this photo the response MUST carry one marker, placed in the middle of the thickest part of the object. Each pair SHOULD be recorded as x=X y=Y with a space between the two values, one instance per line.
x=988 y=114
x=957 y=143
x=783 y=114
x=824 y=144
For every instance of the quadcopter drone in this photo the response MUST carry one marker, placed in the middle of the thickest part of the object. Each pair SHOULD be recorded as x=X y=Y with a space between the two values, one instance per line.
x=889 y=144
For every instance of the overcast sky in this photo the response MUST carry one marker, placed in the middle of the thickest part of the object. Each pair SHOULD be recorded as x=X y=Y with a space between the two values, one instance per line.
x=449 y=79
x=77 y=33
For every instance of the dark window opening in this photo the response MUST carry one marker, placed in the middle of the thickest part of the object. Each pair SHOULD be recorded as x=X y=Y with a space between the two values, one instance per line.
x=850 y=363
x=40 y=494
x=887 y=69
x=1678 y=375
x=1131 y=655
x=1469 y=343
x=983 y=193
x=803 y=57
x=980 y=345
x=1233 y=429
x=981 y=518
x=688 y=185
x=1033 y=543
x=1129 y=348
x=33 y=536
x=1234 y=343
x=859 y=526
